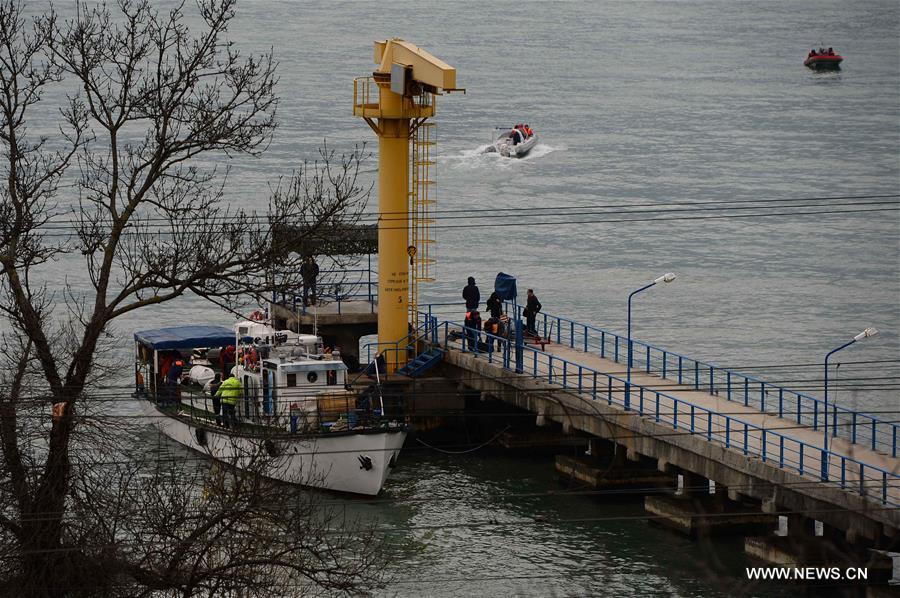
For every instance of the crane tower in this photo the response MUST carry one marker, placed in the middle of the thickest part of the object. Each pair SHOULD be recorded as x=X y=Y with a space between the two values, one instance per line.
x=396 y=101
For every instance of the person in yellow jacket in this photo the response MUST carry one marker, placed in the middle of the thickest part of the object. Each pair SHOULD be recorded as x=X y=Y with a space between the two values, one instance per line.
x=230 y=392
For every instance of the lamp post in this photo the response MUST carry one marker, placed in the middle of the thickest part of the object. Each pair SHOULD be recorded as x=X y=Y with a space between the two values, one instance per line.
x=668 y=277
x=867 y=333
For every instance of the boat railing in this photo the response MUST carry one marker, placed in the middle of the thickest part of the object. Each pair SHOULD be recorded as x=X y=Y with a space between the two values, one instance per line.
x=333 y=411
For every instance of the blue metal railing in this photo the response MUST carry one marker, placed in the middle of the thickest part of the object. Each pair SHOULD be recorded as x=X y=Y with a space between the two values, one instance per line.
x=425 y=332
x=732 y=432
x=354 y=285
x=853 y=426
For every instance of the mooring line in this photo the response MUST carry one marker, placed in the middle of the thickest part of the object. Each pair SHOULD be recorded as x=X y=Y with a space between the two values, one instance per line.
x=471 y=450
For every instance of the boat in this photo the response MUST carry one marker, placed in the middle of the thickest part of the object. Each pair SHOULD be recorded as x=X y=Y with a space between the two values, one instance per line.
x=823 y=59
x=295 y=408
x=513 y=142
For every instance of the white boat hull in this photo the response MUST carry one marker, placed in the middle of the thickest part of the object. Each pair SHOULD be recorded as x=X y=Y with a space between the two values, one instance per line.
x=506 y=149
x=356 y=462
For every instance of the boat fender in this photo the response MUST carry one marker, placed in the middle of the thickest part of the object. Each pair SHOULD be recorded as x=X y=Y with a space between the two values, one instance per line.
x=200 y=433
x=271 y=448
x=393 y=462
x=365 y=462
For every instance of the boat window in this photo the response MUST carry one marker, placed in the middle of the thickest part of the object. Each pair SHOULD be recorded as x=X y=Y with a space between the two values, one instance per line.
x=312 y=377
x=331 y=377
x=291 y=380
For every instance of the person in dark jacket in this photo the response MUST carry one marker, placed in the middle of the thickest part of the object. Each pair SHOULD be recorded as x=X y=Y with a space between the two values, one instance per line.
x=471 y=295
x=173 y=380
x=473 y=326
x=494 y=305
x=216 y=400
x=309 y=271
x=532 y=307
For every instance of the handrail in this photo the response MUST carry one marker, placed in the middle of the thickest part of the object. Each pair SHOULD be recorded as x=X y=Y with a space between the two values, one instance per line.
x=395 y=345
x=340 y=405
x=332 y=291
x=731 y=431
x=853 y=426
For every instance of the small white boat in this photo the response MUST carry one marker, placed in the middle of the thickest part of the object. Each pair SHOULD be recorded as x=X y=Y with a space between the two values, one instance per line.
x=294 y=406
x=513 y=142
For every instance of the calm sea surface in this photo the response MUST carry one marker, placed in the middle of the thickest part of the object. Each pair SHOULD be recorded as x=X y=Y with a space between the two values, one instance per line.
x=635 y=103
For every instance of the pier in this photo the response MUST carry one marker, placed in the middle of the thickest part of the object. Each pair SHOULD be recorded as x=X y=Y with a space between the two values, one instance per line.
x=746 y=450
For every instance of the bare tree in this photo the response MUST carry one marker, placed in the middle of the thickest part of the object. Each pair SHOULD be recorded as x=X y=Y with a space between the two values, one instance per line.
x=146 y=97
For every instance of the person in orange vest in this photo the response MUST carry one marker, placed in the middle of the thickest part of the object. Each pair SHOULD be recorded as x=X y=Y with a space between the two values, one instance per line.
x=492 y=327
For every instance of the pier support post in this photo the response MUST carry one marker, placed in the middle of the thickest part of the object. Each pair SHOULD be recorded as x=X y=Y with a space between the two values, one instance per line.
x=697 y=513
x=608 y=467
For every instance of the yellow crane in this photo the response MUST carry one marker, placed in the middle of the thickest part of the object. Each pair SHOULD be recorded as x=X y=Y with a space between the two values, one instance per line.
x=395 y=102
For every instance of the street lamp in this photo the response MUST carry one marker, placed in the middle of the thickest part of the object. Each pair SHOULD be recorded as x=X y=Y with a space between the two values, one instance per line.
x=667 y=277
x=867 y=333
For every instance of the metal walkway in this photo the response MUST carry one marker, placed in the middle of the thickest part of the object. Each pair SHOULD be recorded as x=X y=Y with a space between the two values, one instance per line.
x=781 y=427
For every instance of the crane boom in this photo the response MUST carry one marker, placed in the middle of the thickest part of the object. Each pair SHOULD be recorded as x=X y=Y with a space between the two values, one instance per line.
x=426 y=69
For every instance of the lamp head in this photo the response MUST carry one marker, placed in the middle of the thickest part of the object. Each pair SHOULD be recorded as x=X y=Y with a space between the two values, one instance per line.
x=667 y=277
x=868 y=332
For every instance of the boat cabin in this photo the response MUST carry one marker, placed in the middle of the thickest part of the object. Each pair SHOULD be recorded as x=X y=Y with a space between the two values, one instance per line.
x=289 y=378
x=288 y=381
x=156 y=351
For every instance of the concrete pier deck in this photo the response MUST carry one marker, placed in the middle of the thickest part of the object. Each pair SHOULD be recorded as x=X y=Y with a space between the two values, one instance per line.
x=685 y=427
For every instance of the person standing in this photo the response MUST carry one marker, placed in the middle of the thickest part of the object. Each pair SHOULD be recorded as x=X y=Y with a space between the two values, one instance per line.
x=505 y=329
x=309 y=271
x=216 y=399
x=473 y=326
x=173 y=380
x=471 y=295
x=230 y=391
x=532 y=308
x=494 y=305
x=492 y=331
x=226 y=360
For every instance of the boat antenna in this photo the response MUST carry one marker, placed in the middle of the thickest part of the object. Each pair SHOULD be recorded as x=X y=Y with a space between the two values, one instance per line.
x=378 y=382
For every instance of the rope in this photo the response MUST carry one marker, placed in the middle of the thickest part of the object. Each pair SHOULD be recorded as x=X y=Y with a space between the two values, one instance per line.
x=471 y=450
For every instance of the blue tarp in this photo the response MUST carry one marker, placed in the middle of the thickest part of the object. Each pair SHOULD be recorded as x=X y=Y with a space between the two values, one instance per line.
x=185 y=337
x=505 y=286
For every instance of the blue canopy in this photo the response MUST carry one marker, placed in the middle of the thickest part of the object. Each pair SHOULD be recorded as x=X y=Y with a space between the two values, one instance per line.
x=185 y=337
x=505 y=286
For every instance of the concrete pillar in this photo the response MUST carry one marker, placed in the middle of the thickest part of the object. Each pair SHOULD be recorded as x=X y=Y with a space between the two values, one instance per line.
x=693 y=485
x=608 y=466
x=798 y=525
